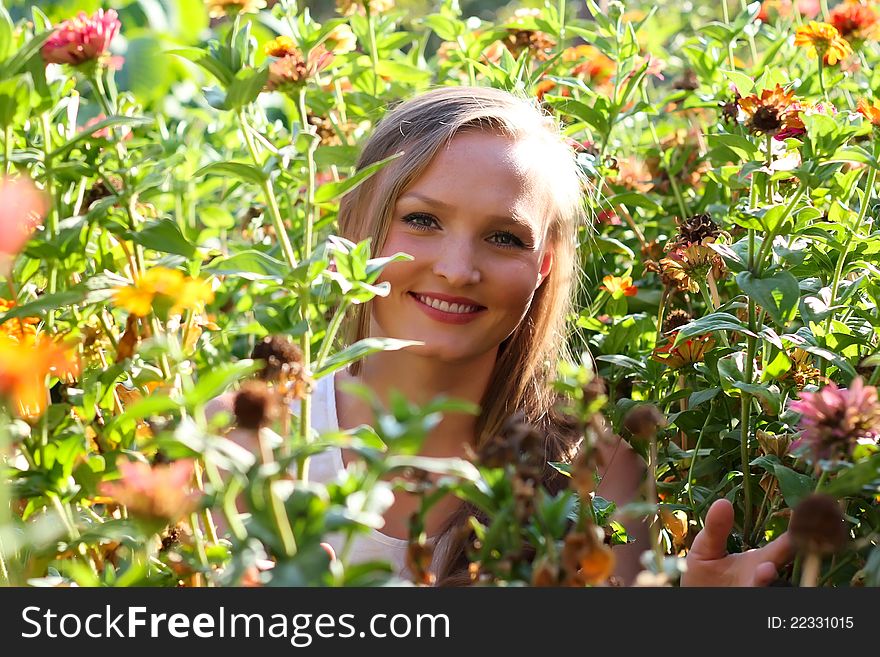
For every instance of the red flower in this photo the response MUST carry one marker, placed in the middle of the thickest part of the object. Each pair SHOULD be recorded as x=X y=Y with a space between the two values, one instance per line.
x=82 y=39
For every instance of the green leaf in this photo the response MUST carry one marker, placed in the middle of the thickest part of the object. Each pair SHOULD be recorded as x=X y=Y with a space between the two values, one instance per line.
x=777 y=294
x=444 y=27
x=794 y=486
x=718 y=321
x=163 y=235
x=331 y=191
x=19 y=60
x=405 y=73
x=218 y=379
x=702 y=396
x=45 y=303
x=240 y=170
x=6 y=29
x=15 y=102
x=861 y=477
x=578 y=110
x=245 y=87
x=251 y=265
x=744 y=84
x=636 y=200
x=109 y=122
x=213 y=65
x=360 y=349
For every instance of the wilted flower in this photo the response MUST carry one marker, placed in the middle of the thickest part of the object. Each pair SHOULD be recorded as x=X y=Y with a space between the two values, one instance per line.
x=586 y=560
x=687 y=265
x=24 y=366
x=688 y=352
x=633 y=173
x=22 y=207
x=773 y=444
x=773 y=111
x=522 y=34
x=158 y=493
x=82 y=39
x=283 y=366
x=221 y=8
x=834 y=419
x=801 y=371
x=165 y=291
x=855 y=20
x=292 y=71
x=822 y=40
x=619 y=286
x=643 y=421
x=697 y=229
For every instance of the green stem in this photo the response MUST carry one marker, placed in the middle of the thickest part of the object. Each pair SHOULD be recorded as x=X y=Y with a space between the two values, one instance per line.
x=652 y=496
x=767 y=244
x=726 y=13
x=7 y=150
x=838 y=269
x=690 y=481
x=269 y=194
x=52 y=216
x=374 y=54
x=822 y=76
x=329 y=336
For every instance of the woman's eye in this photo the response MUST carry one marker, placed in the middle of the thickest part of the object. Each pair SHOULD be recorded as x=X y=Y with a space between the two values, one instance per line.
x=415 y=219
x=509 y=240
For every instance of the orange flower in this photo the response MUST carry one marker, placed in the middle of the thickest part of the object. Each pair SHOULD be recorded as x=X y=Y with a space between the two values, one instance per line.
x=24 y=367
x=822 y=39
x=154 y=493
x=870 y=110
x=619 y=286
x=543 y=87
x=590 y=63
x=292 y=70
x=687 y=352
x=855 y=20
x=773 y=111
x=221 y=8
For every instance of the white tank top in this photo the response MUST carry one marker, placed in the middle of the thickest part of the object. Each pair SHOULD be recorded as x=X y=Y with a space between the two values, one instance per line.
x=326 y=466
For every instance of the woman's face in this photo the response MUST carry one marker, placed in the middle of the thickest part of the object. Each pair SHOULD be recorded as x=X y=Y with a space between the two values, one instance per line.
x=474 y=223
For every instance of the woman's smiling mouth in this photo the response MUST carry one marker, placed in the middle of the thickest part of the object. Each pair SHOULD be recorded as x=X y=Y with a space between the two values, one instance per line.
x=444 y=311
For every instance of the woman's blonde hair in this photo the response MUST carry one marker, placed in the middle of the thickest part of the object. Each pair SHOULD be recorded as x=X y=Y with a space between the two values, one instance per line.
x=419 y=128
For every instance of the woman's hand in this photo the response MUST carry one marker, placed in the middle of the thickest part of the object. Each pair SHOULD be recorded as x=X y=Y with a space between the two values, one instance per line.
x=709 y=564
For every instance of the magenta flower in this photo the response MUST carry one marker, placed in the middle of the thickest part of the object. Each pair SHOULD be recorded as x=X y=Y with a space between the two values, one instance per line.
x=834 y=419
x=82 y=39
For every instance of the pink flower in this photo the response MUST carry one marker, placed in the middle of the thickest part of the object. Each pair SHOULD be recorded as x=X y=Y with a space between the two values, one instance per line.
x=834 y=419
x=155 y=493
x=82 y=39
x=22 y=207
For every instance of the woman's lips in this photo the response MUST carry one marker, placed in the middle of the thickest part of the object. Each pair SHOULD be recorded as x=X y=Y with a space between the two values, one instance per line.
x=443 y=316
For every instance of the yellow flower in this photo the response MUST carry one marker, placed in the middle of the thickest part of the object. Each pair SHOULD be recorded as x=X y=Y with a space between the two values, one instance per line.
x=619 y=286
x=280 y=46
x=341 y=40
x=221 y=8
x=166 y=291
x=822 y=39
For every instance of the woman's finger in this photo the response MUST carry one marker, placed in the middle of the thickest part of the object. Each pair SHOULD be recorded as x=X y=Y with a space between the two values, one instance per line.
x=765 y=573
x=711 y=542
x=779 y=552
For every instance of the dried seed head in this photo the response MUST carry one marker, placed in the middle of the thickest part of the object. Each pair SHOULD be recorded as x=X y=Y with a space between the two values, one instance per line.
x=280 y=356
x=675 y=319
x=255 y=406
x=696 y=229
x=644 y=421
x=817 y=525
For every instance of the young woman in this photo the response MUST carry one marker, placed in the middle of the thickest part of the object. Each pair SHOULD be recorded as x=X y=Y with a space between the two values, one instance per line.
x=487 y=198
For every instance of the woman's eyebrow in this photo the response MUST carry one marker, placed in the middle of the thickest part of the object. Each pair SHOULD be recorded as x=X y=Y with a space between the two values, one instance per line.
x=521 y=222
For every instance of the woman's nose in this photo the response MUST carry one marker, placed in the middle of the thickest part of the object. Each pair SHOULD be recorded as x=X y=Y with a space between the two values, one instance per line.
x=457 y=264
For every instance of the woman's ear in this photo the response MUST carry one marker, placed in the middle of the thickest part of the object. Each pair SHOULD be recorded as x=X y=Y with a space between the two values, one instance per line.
x=546 y=266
